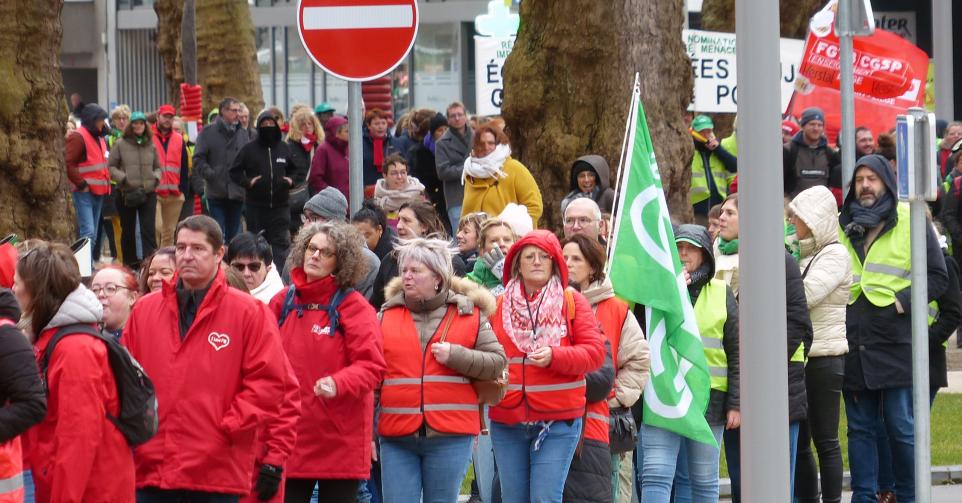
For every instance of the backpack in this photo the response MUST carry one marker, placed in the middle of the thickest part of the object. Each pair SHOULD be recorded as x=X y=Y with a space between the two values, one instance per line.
x=332 y=315
x=138 y=420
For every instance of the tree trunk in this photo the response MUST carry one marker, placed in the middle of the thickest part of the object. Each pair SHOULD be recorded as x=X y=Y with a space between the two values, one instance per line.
x=226 y=51
x=34 y=198
x=719 y=15
x=568 y=86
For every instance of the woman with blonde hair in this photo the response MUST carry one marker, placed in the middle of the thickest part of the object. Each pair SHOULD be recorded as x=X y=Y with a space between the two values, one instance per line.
x=303 y=138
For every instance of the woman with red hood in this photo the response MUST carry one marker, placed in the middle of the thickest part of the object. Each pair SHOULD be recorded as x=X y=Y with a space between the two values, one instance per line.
x=551 y=339
x=330 y=165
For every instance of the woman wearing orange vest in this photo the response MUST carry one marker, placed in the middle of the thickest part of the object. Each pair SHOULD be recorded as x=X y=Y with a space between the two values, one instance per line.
x=551 y=339
x=436 y=340
x=22 y=401
x=585 y=258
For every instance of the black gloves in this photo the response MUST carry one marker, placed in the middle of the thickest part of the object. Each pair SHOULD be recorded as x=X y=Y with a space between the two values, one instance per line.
x=268 y=482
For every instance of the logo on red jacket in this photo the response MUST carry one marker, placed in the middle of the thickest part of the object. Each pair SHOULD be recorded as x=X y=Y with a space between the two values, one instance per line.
x=218 y=341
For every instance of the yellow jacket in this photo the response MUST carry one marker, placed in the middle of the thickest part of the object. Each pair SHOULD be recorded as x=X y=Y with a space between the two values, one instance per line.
x=491 y=195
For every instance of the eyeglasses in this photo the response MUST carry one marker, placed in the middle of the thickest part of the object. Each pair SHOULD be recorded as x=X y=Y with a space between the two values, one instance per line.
x=251 y=266
x=580 y=221
x=398 y=173
x=109 y=290
x=311 y=218
x=325 y=252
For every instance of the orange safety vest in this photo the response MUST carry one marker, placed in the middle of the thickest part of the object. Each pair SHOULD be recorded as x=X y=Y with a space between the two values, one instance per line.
x=417 y=389
x=169 y=164
x=11 y=464
x=540 y=389
x=611 y=313
x=94 y=168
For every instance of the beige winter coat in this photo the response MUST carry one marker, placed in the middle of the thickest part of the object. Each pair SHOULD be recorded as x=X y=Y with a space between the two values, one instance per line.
x=486 y=360
x=829 y=270
x=134 y=166
x=631 y=369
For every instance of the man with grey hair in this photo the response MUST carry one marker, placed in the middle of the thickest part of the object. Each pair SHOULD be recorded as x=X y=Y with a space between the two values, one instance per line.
x=583 y=216
x=329 y=205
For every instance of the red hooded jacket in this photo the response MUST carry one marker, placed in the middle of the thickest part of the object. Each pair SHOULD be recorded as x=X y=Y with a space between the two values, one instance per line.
x=215 y=387
x=77 y=454
x=333 y=434
x=585 y=353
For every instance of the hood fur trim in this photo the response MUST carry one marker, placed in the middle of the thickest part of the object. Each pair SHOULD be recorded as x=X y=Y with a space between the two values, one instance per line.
x=463 y=292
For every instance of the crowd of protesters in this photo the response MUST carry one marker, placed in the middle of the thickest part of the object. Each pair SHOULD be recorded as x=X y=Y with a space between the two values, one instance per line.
x=303 y=350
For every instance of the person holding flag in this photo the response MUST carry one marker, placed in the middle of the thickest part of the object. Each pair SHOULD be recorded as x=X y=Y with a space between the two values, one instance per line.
x=716 y=312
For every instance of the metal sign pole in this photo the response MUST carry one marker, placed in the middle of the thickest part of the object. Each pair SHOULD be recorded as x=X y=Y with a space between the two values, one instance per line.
x=762 y=318
x=920 y=311
x=847 y=88
x=355 y=150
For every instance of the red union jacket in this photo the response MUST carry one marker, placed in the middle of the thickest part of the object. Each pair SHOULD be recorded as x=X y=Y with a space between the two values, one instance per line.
x=333 y=434
x=215 y=387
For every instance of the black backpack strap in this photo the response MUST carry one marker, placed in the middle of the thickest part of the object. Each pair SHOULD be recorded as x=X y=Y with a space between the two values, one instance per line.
x=62 y=332
x=333 y=315
x=287 y=307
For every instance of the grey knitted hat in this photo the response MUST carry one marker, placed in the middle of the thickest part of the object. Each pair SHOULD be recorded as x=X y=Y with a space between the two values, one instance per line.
x=328 y=203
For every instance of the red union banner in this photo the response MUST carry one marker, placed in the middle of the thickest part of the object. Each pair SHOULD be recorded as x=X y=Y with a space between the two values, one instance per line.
x=889 y=71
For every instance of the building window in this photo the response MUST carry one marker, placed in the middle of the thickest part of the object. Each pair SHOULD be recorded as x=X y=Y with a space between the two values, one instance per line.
x=263 y=38
x=298 y=71
x=437 y=65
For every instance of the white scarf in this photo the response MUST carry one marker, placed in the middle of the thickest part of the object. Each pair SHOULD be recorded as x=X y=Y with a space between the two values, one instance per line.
x=390 y=200
x=489 y=166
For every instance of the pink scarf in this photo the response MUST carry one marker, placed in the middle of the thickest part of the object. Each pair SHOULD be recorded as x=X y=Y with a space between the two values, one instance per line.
x=538 y=322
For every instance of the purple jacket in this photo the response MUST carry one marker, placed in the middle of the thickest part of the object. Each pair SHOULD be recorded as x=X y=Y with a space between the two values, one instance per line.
x=330 y=166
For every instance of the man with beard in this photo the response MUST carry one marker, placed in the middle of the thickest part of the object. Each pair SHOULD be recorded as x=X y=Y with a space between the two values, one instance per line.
x=878 y=367
x=265 y=168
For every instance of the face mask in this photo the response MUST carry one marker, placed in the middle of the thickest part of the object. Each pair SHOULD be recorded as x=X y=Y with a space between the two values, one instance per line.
x=269 y=134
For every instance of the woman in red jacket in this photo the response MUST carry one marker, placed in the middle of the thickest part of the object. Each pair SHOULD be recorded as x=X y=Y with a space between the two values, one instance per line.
x=337 y=359
x=552 y=340
x=77 y=453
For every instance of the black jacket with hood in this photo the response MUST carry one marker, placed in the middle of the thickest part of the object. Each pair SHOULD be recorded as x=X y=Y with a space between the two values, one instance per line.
x=23 y=402
x=719 y=402
x=602 y=194
x=589 y=478
x=880 y=338
x=272 y=162
x=804 y=166
x=799 y=328
x=950 y=313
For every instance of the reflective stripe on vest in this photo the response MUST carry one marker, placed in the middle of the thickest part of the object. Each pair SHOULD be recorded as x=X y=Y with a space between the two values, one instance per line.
x=611 y=314
x=417 y=389
x=934 y=316
x=539 y=389
x=699 y=184
x=711 y=313
x=11 y=471
x=94 y=167
x=799 y=355
x=887 y=268
x=170 y=164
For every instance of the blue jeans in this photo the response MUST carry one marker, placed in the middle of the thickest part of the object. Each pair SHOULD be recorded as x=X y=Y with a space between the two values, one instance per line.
x=639 y=462
x=227 y=213
x=483 y=458
x=429 y=470
x=734 y=458
x=454 y=216
x=89 y=208
x=864 y=410
x=666 y=450
x=29 y=491
x=696 y=476
x=530 y=474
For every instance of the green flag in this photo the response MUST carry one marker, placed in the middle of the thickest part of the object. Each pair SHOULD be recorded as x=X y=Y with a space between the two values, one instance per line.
x=645 y=269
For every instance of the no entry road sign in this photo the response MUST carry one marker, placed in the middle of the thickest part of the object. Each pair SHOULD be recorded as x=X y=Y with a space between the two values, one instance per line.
x=357 y=40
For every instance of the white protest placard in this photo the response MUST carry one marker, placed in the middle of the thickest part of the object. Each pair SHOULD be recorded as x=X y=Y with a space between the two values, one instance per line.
x=713 y=62
x=489 y=56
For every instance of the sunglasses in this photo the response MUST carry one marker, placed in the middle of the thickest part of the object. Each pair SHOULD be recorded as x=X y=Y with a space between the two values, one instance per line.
x=252 y=267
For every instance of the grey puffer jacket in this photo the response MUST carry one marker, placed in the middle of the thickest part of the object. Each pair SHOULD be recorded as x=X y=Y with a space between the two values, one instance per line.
x=827 y=270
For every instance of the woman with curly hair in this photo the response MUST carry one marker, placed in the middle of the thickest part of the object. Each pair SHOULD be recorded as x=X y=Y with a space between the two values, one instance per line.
x=333 y=341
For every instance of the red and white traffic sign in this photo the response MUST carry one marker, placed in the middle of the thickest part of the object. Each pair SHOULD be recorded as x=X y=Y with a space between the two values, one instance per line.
x=357 y=40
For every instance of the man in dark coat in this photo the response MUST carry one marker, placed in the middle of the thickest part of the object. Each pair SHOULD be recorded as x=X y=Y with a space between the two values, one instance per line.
x=265 y=168
x=878 y=367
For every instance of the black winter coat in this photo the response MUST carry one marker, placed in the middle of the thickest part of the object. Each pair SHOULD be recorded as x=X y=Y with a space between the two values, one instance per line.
x=22 y=397
x=423 y=167
x=272 y=163
x=799 y=326
x=950 y=313
x=300 y=161
x=589 y=478
x=217 y=146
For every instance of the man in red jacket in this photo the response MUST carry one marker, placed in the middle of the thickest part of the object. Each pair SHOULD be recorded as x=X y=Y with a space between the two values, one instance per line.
x=216 y=360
